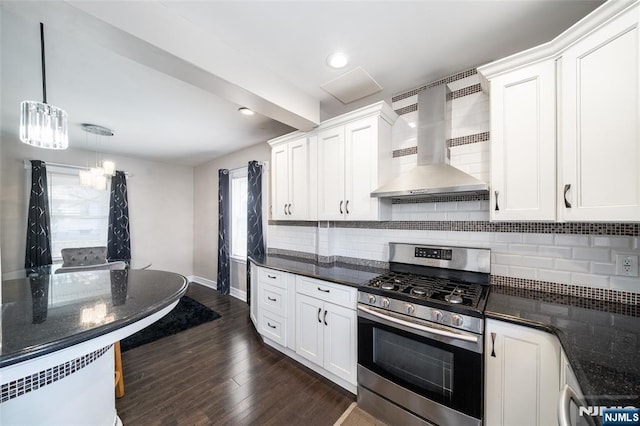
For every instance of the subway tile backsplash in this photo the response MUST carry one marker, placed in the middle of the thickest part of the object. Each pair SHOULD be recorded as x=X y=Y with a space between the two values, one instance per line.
x=576 y=259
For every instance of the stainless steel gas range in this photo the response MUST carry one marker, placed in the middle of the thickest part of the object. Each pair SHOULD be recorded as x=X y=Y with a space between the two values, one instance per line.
x=420 y=336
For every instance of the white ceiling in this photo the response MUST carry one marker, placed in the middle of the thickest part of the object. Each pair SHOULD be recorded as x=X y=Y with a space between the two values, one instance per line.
x=168 y=77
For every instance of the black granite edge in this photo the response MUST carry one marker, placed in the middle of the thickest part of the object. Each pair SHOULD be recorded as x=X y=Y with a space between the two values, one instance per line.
x=263 y=262
x=585 y=382
x=32 y=352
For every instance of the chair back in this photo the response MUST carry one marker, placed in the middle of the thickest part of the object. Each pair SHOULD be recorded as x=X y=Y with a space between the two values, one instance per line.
x=83 y=256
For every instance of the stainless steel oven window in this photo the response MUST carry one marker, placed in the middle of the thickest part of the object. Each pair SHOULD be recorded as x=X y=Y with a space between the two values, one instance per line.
x=417 y=363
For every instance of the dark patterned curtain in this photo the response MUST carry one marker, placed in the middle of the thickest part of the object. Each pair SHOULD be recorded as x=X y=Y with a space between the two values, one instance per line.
x=224 y=213
x=38 y=251
x=255 y=240
x=118 y=238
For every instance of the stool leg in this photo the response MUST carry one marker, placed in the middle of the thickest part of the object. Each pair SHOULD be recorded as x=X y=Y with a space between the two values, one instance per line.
x=119 y=374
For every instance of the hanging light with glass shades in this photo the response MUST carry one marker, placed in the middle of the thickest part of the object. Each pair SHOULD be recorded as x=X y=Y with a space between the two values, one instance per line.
x=43 y=125
x=96 y=177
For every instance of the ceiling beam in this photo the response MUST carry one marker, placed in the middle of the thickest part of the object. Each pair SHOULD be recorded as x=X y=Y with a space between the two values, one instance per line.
x=152 y=35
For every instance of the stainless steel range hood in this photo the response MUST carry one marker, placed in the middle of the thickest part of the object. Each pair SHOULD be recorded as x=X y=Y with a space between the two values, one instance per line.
x=433 y=176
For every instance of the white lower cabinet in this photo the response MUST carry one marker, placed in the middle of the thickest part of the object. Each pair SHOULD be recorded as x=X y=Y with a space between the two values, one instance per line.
x=326 y=336
x=310 y=320
x=326 y=326
x=522 y=375
x=275 y=305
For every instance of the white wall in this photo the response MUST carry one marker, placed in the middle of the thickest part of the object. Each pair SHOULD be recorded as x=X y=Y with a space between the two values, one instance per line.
x=206 y=211
x=160 y=205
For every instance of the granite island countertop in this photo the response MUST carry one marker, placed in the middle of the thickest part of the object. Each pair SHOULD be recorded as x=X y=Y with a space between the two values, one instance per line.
x=341 y=273
x=601 y=339
x=45 y=313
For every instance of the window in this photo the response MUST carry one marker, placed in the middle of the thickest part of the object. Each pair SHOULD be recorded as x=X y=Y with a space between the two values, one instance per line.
x=79 y=214
x=238 y=192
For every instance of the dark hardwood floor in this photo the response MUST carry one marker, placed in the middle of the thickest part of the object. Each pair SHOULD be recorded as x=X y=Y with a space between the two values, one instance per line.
x=221 y=373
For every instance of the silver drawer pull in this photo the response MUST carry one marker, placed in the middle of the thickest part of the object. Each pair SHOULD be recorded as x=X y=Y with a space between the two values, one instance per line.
x=324 y=291
x=271 y=276
x=272 y=326
x=272 y=299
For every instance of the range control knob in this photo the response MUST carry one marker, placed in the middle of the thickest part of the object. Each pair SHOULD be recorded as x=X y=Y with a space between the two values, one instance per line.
x=436 y=315
x=372 y=298
x=385 y=302
x=410 y=308
x=456 y=320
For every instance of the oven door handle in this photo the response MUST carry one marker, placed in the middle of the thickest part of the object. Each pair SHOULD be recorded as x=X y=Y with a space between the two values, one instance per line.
x=410 y=324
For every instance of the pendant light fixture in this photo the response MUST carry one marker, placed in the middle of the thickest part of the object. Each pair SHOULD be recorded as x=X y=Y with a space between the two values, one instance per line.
x=43 y=125
x=96 y=177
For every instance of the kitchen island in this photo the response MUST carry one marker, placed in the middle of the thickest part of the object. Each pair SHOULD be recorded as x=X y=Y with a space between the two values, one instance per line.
x=56 y=353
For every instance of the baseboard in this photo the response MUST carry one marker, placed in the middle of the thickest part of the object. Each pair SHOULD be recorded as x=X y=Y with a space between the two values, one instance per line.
x=203 y=281
x=238 y=294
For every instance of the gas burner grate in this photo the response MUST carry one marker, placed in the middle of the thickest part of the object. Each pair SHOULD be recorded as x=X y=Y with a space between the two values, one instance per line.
x=425 y=288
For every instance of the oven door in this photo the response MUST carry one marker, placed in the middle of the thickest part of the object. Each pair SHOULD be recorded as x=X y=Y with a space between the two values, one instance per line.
x=438 y=363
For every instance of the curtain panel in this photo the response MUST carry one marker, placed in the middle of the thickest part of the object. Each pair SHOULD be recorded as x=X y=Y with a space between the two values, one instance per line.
x=224 y=213
x=38 y=251
x=118 y=236
x=255 y=238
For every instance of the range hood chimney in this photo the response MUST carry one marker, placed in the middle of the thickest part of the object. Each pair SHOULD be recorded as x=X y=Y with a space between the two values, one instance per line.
x=433 y=176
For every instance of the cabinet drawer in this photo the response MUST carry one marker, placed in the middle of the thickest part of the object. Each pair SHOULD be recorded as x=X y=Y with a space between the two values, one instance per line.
x=338 y=294
x=277 y=278
x=273 y=327
x=273 y=298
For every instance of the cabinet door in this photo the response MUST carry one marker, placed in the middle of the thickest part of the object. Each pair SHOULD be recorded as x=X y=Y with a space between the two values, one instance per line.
x=340 y=341
x=522 y=375
x=600 y=87
x=280 y=182
x=298 y=179
x=309 y=328
x=361 y=169
x=331 y=161
x=523 y=144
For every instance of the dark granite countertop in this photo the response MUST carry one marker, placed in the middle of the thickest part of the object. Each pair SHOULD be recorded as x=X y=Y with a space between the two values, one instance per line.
x=45 y=313
x=601 y=339
x=341 y=273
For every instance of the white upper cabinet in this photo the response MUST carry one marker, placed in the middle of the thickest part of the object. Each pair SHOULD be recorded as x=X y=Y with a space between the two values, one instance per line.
x=565 y=123
x=293 y=192
x=331 y=174
x=600 y=138
x=523 y=144
x=354 y=158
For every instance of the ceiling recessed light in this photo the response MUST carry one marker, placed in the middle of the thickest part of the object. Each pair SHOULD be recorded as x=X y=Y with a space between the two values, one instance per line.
x=337 y=60
x=245 y=111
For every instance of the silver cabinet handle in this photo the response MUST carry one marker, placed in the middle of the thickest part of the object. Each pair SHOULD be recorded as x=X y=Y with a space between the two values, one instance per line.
x=493 y=345
x=271 y=299
x=285 y=209
x=289 y=209
x=346 y=207
x=324 y=291
x=272 y=326
x=564 y=406
x=496 y=193
x=325 y=318
x=271 y=276
x=319 y=320
x=341 y=206
x=567 y=204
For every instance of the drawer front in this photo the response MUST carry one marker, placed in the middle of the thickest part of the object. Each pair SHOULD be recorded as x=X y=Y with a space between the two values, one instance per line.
x=270 y=276
x=274 y=299
x=338 y=294
x=273 y=327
